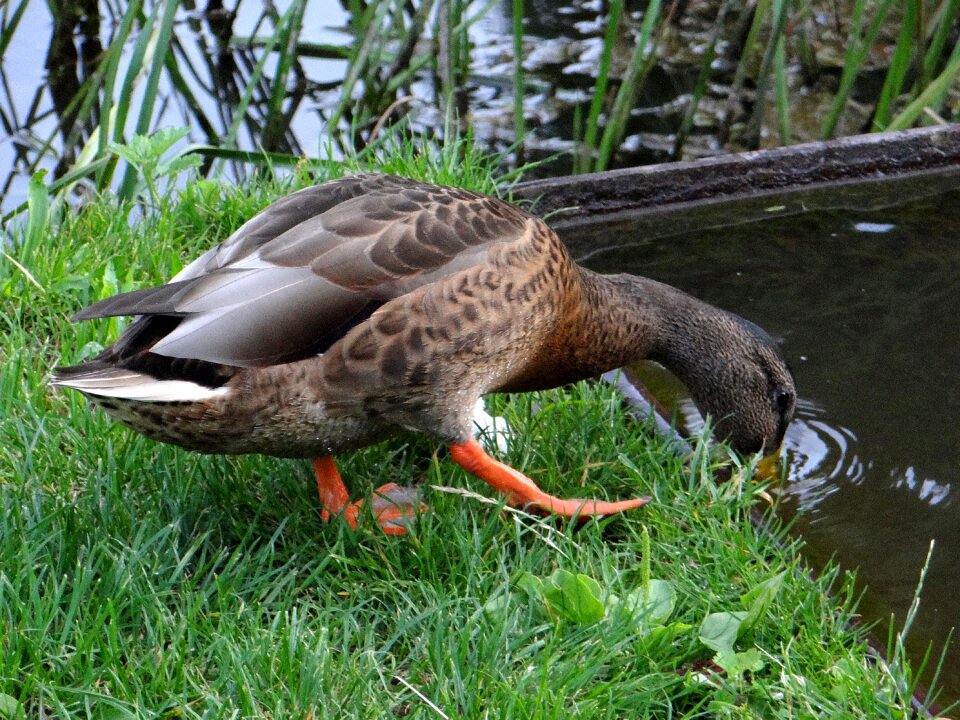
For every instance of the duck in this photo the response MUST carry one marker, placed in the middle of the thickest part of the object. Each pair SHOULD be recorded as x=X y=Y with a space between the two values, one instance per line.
x=373 y=305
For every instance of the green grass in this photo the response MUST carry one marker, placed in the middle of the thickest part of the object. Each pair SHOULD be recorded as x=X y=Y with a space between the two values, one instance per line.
x=138 y=580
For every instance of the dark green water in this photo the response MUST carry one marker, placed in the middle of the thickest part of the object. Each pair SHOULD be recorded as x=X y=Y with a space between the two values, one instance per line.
x=866 y=305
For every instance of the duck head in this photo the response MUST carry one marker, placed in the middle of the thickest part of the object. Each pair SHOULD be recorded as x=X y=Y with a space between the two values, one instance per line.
x=736 y=373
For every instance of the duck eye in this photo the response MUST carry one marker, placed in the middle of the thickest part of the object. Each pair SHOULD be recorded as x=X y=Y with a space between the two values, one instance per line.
x=783 y=399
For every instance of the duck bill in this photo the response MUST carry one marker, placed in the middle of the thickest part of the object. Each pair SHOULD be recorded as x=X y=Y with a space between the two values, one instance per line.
x=770 y=466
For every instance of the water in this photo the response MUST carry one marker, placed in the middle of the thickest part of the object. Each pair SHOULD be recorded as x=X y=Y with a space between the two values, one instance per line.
x=865 y=304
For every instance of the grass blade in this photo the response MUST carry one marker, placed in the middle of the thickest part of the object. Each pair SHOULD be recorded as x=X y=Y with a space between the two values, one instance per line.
x=783 y=92
x=262 y=158
x=452 y=63
x=239 y=113
x=75 y=173
x=633 y=81
x=8 y=28
x=701 y=83
x=944 y=18
x=159 y=46
x=766 y=68
x=276 y=122
x=369 y=26
x=930 y=98
x=899 y=65
x=111 y=121
x=753 y=34
x=857 y=49
x=583 y=162
x=186 y=93
x=519 y=131
x=38 y=202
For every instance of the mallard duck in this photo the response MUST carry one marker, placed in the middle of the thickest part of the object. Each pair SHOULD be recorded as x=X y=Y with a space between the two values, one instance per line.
x=371 y=305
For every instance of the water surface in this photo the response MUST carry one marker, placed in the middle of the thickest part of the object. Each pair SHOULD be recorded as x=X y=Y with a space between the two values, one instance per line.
x=866 y=305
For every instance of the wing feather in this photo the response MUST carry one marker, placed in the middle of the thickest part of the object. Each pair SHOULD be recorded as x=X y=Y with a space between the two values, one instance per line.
x=303 y=272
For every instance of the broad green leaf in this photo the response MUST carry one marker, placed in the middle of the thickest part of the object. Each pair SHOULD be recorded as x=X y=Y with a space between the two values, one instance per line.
x=736 y=664
x=662 y=634
x=126 y=152
x=146 y=150
x=652 y=607
x=109 y=285
x=102 y=711
x=71 y=284
x=38 y=206
x=531 y=584
x=759 y=599
x=574 y=597
x=719 y=630
x=496 y=607
x=184 y=162
x=10 y=708
x=89 y=351
x=165 y=138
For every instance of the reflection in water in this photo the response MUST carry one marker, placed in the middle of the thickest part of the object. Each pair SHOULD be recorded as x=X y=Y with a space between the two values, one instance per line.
x=927 y=489
x=873 y=227
x=864 y=304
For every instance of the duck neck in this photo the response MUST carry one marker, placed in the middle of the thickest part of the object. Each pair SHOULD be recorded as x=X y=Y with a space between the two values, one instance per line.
x=611 y=321
x=732 y=369
x=633 y=318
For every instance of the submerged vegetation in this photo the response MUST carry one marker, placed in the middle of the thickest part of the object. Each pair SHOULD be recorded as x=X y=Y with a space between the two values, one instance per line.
x=138 y=580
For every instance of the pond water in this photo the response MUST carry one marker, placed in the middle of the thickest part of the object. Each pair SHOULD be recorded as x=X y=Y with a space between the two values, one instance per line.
x=865 y=304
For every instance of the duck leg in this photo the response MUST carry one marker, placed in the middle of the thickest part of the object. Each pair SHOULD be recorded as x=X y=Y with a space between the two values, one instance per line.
x=521 y=491
x=392 y=506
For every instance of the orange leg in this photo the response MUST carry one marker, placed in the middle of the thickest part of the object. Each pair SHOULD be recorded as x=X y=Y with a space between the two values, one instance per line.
x=392 y=506
x=521 y=491
x=333 y=493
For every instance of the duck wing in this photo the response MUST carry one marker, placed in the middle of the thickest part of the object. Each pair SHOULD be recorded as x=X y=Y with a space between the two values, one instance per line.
x=298 y=276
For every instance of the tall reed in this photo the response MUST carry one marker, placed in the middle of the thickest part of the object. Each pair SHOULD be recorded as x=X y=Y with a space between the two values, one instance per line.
x=242 y=93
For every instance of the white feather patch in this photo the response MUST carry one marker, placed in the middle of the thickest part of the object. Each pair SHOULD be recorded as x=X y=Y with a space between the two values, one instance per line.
x=493 y=430
x=146 y=389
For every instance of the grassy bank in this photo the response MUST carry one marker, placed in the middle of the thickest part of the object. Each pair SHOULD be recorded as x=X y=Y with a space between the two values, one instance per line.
x=137 y=580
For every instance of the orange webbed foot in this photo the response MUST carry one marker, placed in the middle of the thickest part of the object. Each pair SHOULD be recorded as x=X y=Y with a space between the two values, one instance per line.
x=393 y=507
x=521 y=491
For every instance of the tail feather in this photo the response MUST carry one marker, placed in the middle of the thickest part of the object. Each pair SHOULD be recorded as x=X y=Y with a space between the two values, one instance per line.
x=148 y=301
x=101 y=380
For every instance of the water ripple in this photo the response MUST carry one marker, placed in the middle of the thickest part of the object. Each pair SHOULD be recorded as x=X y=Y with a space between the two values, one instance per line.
x=822 y=458
x=818 y=454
